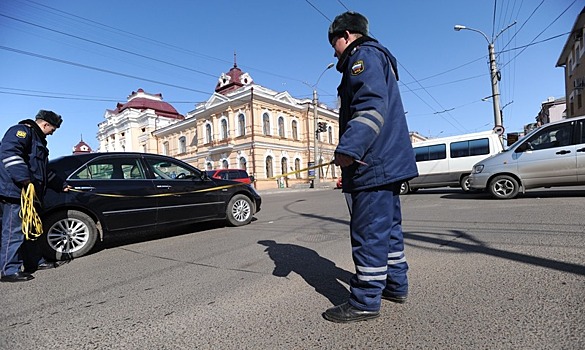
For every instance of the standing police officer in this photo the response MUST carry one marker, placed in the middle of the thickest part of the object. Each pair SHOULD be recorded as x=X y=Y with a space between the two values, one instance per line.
x=376 y=156
x=23 y=160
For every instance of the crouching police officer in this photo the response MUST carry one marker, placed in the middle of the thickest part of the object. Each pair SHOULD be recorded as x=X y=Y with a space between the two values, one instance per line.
x=375 y=155
x=23 y=161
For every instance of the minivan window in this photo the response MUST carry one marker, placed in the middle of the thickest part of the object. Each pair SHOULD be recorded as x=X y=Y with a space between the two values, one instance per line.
x=434 y=152
x=469 y=148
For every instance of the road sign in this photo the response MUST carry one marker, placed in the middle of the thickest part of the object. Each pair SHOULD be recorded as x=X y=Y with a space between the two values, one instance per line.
x=498 y=129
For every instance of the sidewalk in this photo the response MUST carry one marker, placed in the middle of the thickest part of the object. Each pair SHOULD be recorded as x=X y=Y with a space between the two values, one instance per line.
x=298 y=188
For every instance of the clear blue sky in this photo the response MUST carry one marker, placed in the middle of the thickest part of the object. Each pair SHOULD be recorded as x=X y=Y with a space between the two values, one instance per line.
x=80 y=58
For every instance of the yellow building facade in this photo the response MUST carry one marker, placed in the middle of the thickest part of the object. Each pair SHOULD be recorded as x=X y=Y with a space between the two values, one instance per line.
x=243 y=125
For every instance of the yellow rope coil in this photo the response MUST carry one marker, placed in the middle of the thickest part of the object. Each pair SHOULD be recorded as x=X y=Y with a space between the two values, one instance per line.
x=32 y=227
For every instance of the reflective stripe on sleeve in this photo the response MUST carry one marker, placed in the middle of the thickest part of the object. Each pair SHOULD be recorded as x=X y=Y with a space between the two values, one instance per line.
x=362 y=117
x=14 y=160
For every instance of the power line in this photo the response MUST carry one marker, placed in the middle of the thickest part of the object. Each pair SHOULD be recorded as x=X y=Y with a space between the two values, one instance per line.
x=67 y=96
x=108 y=46
x=178 y=48
x=99 y=69
x=539 y=34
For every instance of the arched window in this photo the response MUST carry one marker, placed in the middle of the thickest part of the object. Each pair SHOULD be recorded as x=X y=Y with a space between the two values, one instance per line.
x=269 y=172
x=330 y=134
x=209 y=166
x=242 y=124
x=182 y=144
x=165 y=149
x=208 y=134
x=297 y=168
x=281 y=127
x=224 y=129
x=194 y=139
x=225 y=164
x=243 y=164
x=295 y=130
x=266 y=124
x=283 y=166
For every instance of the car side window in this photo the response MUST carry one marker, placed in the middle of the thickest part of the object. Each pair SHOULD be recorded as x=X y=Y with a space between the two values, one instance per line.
x=113 y=168
x=170 y=169
x=556 y=136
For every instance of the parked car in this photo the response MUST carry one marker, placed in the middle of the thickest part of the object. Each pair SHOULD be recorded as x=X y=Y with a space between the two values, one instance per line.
x=123 y=192
x=448 y=161
x=552 y=155
x=239 y=175
x=338 y=183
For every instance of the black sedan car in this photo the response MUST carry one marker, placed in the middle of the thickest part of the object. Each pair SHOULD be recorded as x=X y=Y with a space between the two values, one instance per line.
x=122 y=192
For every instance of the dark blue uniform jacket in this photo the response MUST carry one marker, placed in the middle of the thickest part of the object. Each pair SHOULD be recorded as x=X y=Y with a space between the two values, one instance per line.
x=372 y=123
x=23 y=158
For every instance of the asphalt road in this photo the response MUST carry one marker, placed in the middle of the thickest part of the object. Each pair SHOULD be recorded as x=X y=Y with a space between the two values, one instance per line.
x=484 y=274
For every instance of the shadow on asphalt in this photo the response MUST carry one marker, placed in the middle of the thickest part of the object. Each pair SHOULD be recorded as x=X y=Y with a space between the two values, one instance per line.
x=320 y=273
x=124 y=238
x=447 y=193
x=466 y=243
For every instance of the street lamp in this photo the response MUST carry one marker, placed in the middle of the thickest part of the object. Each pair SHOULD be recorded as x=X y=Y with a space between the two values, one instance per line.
x=315 y=123
x=495 y=75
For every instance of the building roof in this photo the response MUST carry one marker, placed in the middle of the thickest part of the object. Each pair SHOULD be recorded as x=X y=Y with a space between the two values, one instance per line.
x=82 y=147
x=232 y=80
x=142 y=100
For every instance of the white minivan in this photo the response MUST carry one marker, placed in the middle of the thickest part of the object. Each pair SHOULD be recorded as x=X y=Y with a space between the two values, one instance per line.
x=448 y=161
x=551 y=155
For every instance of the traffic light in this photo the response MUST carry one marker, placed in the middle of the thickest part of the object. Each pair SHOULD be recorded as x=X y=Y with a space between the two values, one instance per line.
x=321 y=127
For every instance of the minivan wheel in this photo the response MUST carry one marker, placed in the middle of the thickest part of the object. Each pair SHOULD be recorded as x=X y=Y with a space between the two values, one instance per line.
x=68 y=234
x=239 y=210
x=504 y=187
x=465 y=183
x=404 y=188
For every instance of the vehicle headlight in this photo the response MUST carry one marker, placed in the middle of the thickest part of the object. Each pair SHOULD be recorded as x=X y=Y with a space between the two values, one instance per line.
x=478 y=168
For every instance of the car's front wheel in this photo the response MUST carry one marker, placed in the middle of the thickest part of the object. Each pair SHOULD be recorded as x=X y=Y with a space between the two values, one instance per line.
x=239 y=210
x=504 y=187
x=68 y=234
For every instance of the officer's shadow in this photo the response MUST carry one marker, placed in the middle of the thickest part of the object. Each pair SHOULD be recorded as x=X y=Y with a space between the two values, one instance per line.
x=320 y=273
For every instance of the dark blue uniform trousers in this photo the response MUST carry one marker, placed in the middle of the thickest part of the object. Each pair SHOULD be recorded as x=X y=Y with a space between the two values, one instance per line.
x=377 y=246
x=15 y=251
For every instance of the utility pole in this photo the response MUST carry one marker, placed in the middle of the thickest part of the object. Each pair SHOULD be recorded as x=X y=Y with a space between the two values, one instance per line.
x=316 y=135
x=494 y=74
x=316 y=126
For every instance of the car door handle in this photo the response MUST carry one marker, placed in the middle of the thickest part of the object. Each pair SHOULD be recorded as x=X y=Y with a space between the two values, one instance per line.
x=581 y=150
x=166 y=187
x=84 y=188
x=563 y=152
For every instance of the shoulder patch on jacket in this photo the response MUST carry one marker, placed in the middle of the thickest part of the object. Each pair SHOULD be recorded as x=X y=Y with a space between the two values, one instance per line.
x=21 y=134
x=357 y=68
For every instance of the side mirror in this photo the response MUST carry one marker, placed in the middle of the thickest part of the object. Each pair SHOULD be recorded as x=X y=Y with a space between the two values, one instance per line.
x=251 y=178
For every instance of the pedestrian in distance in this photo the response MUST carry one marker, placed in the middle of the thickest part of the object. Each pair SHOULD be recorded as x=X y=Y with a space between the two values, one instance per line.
x=23 y=161
x=375 y=155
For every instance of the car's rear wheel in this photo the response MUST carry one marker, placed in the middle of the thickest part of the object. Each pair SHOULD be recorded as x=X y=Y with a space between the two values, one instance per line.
x=239 y=210
x=465 y=183
x=68 y=234
x=504 y=187
x=404 y=188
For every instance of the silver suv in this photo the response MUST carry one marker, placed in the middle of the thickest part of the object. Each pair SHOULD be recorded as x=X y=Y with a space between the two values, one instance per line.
x=552 y=155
